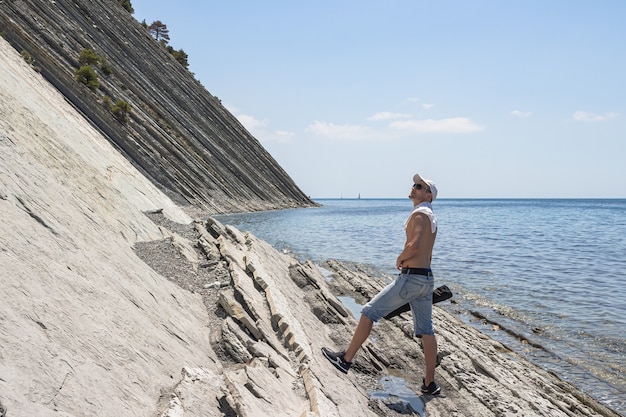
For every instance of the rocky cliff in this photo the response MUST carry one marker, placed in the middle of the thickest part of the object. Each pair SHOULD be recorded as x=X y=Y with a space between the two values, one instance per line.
x=177 y=134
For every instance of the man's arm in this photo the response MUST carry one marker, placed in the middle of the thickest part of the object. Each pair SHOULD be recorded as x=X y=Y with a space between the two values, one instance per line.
x=414 y=232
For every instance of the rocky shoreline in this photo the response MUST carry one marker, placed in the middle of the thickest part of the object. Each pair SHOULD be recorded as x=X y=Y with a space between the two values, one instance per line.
x=270 y=315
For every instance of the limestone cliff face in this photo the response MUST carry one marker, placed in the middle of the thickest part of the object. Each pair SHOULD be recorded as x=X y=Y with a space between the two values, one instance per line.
x=178 y=134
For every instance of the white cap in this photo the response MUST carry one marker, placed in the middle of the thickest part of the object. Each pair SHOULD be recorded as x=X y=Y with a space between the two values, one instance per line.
x=433 y=187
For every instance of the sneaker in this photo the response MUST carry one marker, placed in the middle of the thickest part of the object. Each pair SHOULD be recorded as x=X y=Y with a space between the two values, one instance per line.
x=336 y=358
x=431 y=389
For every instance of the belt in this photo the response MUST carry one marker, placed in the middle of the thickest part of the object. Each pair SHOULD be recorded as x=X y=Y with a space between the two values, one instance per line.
x=417 y=271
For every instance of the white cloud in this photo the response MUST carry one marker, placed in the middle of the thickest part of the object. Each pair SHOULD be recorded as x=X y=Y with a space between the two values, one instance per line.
x=449 y=125
x=400 y=125
x=273 y=136
x=282 y=136
x=349 y=132
x=259 y=129
x=396 y=129
x=583 y=116
x=251 y=123
x=385 y=115
x=425 y=106
x=231 y=108
x=520 y=114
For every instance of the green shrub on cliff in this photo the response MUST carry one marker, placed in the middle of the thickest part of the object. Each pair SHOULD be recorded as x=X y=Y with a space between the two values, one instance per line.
x=105 y=67
x=88 y=76
x=121 y=110
x=180 y=56
x=29 y=60
x=126 y=4
x=27 y=57
x=89 y=57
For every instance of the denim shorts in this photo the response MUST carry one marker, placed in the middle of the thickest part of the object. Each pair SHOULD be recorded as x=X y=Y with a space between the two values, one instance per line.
x=417 y=290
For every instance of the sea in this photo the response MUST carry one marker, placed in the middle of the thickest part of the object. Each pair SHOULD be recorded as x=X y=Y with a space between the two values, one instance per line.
x=546 y=277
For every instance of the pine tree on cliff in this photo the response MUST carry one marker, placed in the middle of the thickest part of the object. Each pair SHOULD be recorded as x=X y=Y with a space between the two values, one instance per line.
x=159 y=31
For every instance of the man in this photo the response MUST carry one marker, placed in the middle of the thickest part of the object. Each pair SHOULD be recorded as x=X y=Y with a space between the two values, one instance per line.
x=414 y=285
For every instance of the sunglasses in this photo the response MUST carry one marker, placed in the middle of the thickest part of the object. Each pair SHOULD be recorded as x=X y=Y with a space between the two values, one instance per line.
x=420 y=187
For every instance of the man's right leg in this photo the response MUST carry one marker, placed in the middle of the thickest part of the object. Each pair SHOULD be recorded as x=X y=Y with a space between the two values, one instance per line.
x=429 y=342
x=361 y=333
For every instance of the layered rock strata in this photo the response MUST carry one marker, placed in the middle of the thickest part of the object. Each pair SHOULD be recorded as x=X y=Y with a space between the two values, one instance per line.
x=177 y=134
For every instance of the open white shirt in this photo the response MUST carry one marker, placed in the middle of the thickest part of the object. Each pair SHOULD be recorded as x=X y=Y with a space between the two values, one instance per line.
x=427 y=209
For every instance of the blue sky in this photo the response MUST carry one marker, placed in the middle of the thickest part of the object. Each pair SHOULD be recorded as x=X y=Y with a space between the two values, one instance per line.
x=490 y=99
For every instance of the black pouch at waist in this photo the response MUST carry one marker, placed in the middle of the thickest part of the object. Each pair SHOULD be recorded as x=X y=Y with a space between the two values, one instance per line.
x=439 y=294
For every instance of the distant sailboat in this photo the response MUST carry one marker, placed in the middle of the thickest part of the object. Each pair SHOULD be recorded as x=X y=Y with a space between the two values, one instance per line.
x=359 y=196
